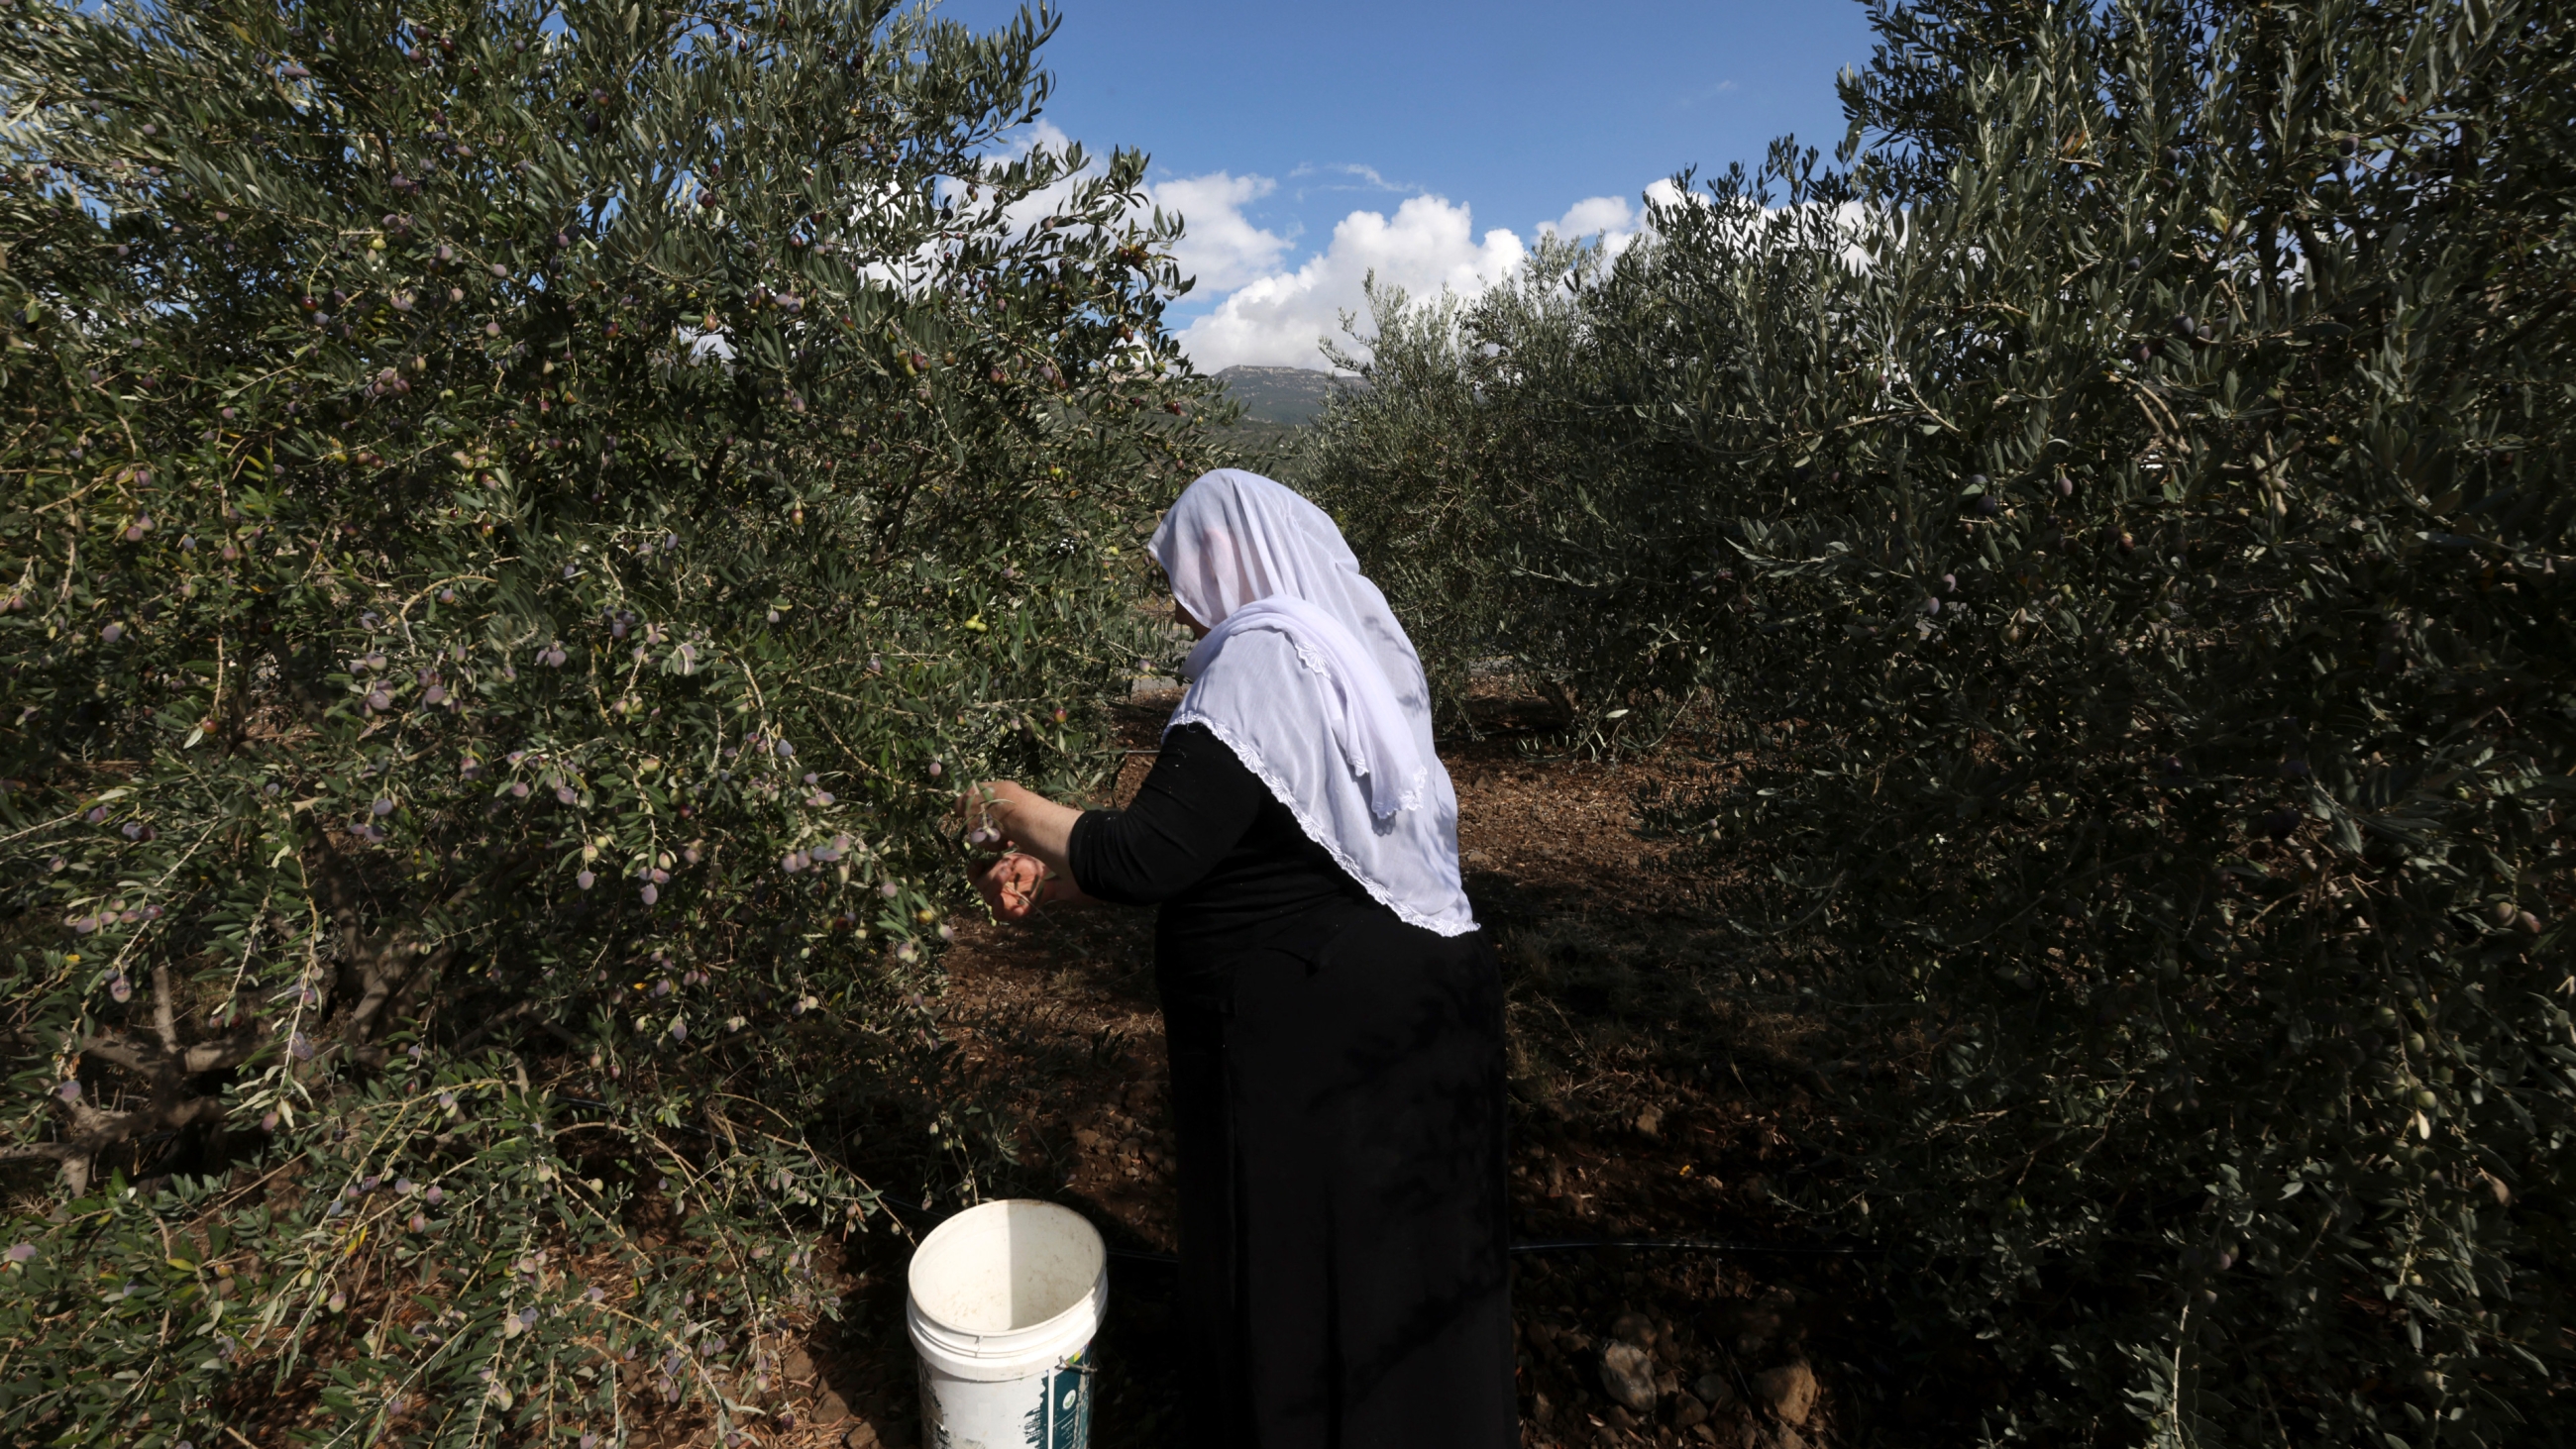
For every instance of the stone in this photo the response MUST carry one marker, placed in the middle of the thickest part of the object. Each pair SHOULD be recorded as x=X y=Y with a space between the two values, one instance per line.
x=1633 y=1328
x=1785 y=1437
x=830 y=1408
x=1085 y=1138
x=1712 y=1389
x=799 y=1364
x=1687 y=1411
x=1732 y=1427
x=1756 y=1324
x=1650 y=1122
x=862 y=1437
x=1789 y=1391
x=1619 y=1418
x=1628 y=1375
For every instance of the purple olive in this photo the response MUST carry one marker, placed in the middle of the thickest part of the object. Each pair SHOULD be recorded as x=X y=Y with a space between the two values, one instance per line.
x=651 y=893
x=2280 y=822
x=1988 y=505
x=519 y=789
x=437 y=1194
x=585 y=880
x=70 y=1090
x=889 y=890
x=1931 y=606
x=937 y=769
x=111 y=633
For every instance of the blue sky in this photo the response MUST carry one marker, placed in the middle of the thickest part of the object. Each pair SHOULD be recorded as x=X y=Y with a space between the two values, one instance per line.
x=1310 y=143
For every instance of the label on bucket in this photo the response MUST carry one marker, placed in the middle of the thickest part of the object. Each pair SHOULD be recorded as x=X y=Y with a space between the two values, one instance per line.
x=961 y=1414
x=1064 y=1420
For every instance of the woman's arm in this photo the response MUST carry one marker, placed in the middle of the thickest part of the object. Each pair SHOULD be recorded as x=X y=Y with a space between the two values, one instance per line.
x=1026 y=821
x=1193 y=806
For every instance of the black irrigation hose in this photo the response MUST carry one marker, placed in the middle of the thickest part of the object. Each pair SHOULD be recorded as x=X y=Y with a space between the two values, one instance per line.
x=1549 y=1245
x=1700 y=1245
x=1573 y=1245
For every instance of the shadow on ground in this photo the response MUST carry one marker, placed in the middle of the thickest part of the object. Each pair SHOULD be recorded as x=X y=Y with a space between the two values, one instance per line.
x=1669 y=1081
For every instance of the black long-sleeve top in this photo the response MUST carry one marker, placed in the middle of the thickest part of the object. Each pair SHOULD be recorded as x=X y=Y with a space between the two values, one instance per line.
x=1207 y=841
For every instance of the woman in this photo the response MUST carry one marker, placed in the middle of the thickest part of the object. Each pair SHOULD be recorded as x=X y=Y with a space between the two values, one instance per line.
x=1334 y=1019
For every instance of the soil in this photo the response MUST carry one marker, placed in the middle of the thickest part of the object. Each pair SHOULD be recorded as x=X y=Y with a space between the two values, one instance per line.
x=1669 y=1079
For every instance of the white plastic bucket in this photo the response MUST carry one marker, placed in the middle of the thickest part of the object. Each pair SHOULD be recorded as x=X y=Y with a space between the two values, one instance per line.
x=1004 y=1299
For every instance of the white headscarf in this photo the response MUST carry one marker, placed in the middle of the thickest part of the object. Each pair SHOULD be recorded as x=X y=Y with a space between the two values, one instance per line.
x=1308 y=678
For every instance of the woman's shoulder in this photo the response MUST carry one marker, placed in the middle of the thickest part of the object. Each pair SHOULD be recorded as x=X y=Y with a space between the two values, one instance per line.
x=1253 y=653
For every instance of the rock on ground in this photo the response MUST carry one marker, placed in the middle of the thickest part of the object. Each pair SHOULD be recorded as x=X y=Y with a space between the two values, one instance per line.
x=1789 y=1391
x=1629 y=1374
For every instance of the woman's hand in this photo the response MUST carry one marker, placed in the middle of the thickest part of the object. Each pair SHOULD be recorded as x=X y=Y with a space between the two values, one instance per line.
x=1011 y=886
x=1031 y=829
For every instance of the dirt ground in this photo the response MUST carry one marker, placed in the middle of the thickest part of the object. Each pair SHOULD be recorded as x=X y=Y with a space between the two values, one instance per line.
x=1668 y=1082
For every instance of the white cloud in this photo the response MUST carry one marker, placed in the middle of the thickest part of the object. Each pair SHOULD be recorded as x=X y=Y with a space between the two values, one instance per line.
x=1219 y=245
x=1269 y=314
x=1613 y=220
x=1279 y=319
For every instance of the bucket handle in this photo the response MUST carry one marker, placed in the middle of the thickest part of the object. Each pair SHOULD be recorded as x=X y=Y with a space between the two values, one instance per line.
x=1076 y=1365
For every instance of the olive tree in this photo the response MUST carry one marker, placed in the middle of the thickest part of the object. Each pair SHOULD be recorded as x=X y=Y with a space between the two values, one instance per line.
x=518 y=517
x=2125 y=511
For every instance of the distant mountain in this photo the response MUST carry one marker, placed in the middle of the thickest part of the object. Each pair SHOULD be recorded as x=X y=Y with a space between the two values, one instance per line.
x=1287 y=396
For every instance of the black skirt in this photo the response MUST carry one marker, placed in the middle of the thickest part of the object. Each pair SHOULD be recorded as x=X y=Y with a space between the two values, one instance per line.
x=1338 y=1095
x=1337 y=1088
